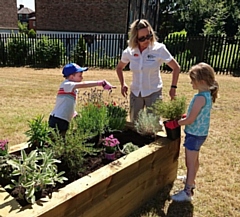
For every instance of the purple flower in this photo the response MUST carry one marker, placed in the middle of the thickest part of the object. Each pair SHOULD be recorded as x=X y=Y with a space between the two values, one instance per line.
x=3 y=144
x=110 y=141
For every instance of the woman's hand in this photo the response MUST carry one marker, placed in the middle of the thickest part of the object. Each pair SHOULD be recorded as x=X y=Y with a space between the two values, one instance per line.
x=124 y=90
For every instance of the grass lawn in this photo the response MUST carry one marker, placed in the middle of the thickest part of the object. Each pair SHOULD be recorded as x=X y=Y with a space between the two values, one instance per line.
x=26 y=93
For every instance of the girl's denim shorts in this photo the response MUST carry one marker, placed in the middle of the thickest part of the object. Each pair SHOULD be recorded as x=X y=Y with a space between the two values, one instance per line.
x=193 y=143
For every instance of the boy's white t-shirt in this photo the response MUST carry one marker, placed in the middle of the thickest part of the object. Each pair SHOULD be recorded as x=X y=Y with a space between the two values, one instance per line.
x=65 y=101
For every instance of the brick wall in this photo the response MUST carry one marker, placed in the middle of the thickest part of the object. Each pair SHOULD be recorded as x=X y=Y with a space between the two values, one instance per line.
x=103 y=16
x=8 y=14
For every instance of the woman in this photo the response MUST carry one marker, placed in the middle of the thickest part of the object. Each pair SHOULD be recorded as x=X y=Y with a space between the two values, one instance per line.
x=145 y=56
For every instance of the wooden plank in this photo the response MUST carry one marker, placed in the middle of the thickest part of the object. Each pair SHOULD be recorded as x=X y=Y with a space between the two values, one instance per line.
x=18 y=147
x=114 y=185
x=7 y=203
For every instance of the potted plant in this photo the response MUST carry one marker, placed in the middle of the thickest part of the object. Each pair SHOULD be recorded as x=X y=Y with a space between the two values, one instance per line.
x=171 y=111
x=110 y=144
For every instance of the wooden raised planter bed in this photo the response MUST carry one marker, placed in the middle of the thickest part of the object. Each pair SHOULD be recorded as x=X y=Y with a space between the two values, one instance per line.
x=116 y=189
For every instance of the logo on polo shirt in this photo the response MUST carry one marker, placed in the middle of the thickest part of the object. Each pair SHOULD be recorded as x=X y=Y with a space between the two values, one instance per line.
x=151 y=57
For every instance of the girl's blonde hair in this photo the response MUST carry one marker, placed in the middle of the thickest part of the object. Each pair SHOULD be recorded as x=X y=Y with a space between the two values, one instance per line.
x=133 y=33
x=204 y=72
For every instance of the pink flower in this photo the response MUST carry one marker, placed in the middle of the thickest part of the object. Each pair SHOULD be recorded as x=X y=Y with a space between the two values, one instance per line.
x=3 y=144
x=110 y=141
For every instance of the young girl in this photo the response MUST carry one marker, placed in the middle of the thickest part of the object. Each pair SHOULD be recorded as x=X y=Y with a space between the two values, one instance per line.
x=197 y=123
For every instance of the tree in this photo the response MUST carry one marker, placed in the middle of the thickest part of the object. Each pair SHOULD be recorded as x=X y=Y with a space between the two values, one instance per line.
x=23 y=27
x=215 y=24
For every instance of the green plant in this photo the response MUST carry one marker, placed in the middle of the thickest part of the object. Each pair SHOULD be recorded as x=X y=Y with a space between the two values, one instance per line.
x=92 y=117
x=128 y=148
x=38 y=133
x=2 y=53
x=35 y=171
x=17 y=48
x=5 y=168
x=31 y=33
x=170 y=110
x=117 y=116
x=73 y=148
x=147 y=123
x=78 y=55
x=49 y=52
x=23 y=27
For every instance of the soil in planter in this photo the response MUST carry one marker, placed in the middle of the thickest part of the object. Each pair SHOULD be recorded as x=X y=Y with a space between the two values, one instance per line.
x=91 y=164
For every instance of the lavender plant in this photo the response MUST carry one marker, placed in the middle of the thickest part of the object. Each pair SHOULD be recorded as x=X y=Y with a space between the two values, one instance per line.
x=147 y=124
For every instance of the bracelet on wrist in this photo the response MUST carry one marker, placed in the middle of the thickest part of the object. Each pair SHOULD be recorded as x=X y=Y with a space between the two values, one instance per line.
x=173 y=86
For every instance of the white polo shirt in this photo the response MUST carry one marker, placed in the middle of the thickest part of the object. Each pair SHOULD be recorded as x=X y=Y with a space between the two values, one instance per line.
x=146 y=78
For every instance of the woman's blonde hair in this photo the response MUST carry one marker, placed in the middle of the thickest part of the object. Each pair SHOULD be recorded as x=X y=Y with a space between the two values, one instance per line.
x=204 y=72
x=133 y=33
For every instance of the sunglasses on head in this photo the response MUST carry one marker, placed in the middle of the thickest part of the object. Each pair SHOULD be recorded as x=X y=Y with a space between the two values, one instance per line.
x=144 y=38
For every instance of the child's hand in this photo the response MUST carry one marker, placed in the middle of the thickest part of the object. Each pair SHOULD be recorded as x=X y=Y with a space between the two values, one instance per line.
x=184 y=116
x=107 y=86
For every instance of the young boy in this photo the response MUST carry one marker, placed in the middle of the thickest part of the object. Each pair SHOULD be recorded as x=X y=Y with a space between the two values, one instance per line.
x=64 y=108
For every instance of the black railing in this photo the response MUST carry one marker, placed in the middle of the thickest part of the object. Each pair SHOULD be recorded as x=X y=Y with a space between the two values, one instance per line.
x=104 y=50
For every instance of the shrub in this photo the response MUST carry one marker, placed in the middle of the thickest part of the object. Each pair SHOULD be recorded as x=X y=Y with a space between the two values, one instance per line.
x=175 y=42
x=92 y=117
x=78 y=55
x=31 y=33
x=17 y=49
x=73 y=148
x=2 y=53
x=49 y=52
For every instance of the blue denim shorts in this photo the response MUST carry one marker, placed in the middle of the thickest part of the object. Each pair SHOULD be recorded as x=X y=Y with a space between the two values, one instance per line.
x=193 y=143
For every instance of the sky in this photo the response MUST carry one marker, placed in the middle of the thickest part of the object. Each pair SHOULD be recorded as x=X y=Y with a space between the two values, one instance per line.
x=27 y=3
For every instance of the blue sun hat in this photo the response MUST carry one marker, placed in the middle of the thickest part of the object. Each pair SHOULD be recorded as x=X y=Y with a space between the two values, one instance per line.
x=72 y=68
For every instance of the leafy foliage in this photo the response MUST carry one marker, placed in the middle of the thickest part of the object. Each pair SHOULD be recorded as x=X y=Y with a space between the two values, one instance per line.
x=17 y=48
x=23 y=27
x=93 y=117
x=170 y=109
x=73 y=148
x=100 y=113
x=49 y=52
x=215 y=24
x=35 y=171
x=5 y=168
x=38 y=133
x=117 y=116
x=78 y=55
